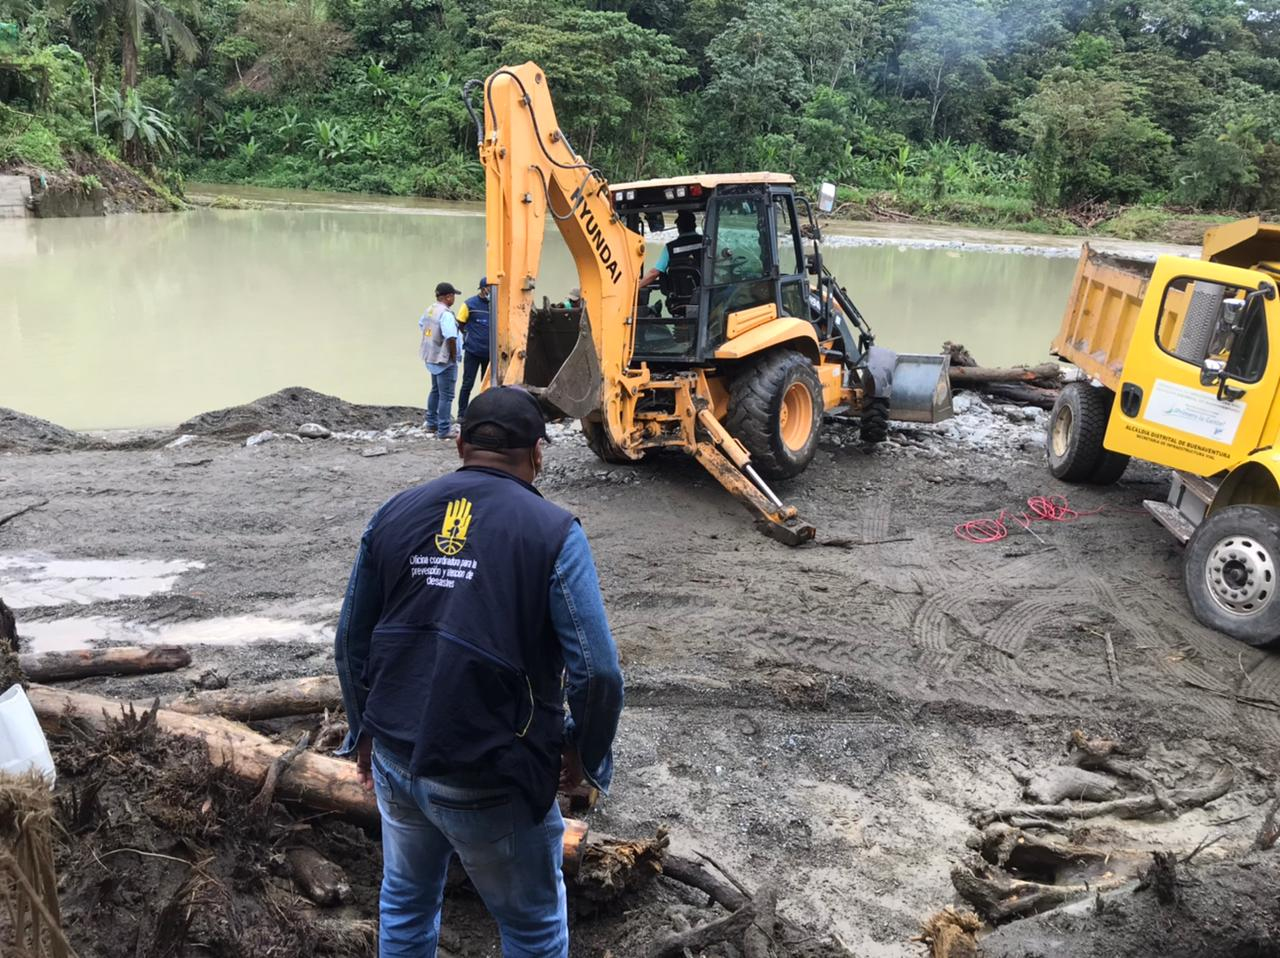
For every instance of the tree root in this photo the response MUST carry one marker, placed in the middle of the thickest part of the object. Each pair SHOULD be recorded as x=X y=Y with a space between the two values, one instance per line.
x=998 y=897
x=736 y=924
x=266 y=795
x=1133 y=807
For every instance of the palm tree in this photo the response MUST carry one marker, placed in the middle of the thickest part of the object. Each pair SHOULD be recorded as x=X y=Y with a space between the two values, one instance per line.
x=169 y=28
x=97 y=22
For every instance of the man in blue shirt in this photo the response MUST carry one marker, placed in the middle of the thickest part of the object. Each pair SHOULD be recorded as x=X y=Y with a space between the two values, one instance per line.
x=472 y=614
x=474 y=320
x=685 y=250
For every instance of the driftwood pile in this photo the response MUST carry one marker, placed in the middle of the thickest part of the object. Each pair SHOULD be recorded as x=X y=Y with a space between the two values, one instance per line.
x=1025 y=858
x=600 y=870
x=1029 y=385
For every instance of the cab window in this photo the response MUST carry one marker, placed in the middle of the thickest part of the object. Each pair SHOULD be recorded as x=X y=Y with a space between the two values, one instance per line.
x=790 y=256
x=1200 y=320
x=740 y=241
x=741 y=269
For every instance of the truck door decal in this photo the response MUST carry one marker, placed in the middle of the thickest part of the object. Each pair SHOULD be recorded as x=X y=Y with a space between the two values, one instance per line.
x=1194 y=411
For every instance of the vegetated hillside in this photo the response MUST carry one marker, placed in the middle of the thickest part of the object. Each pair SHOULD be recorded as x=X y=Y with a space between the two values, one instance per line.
x=48 y=132
x=1047 y=114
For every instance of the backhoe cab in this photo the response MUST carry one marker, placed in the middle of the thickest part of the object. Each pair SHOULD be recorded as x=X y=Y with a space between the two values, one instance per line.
x=734 y=355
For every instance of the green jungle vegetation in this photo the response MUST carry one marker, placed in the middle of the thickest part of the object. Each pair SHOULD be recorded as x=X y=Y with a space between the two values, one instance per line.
x=1138 y=117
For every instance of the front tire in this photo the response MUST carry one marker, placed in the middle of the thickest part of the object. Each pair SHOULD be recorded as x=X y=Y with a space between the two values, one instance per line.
x=874 y=428
x=1231 y=572
x=599 y=442
x=775 y=410
x=1073 y=439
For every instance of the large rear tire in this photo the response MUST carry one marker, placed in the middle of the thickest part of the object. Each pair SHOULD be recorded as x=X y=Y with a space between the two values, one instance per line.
x=1077 y=425
x=1231 y=570
x=775 y=410
x=599 y=442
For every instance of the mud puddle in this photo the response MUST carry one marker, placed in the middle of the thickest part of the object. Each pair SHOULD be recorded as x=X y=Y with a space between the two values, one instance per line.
x=32 y=580
x=78 y=632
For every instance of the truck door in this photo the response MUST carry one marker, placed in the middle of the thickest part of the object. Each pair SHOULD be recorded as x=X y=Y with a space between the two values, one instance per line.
x=1197 y=388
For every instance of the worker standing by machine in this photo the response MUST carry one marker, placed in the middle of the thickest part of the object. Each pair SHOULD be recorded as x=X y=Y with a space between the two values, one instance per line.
x=438 y=350
x=474 y=320
x=471 y=597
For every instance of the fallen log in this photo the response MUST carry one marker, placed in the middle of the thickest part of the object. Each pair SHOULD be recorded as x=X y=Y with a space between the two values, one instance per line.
x=305 y=696
x=978 y=375
x=122 y=660
x=1024 y=393
x=320 y=782
x=317 y=781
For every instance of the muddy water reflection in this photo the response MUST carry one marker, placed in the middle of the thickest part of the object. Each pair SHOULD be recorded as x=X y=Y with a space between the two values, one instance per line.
x=138 y=321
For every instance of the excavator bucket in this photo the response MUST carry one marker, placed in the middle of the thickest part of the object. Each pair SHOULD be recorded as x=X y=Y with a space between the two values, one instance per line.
x=921 y=388
x=561 y=367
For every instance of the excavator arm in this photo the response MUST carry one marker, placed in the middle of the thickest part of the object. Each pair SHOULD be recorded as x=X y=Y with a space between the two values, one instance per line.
x=577 y=365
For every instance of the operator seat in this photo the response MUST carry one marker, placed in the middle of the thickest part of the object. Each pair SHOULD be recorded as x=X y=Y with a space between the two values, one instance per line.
x=679 y=284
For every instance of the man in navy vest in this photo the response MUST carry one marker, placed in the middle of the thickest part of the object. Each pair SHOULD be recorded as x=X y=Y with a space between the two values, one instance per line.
x=474 y=319
x=472 y=613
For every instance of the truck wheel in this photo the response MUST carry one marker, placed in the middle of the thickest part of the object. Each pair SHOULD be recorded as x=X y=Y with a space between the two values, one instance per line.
x=1110 y=468
x=1077 y=424
x=1232 y=573
x=600 y=443
x=875 y=422
x=775 y=410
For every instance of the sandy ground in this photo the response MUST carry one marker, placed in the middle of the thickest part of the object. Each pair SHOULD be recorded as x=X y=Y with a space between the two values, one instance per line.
x=825 y=718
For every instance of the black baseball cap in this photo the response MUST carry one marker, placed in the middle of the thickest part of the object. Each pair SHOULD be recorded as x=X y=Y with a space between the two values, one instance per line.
x=513 y=410
x=444 y=289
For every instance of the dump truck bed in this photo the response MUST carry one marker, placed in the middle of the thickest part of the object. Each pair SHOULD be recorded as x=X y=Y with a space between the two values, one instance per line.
x=1101 y=313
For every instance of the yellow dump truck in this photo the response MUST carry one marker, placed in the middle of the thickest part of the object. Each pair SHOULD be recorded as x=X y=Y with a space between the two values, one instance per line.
x=1177 y=360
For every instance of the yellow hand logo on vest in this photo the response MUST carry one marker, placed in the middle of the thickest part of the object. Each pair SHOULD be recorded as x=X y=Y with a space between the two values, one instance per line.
x=453 y=534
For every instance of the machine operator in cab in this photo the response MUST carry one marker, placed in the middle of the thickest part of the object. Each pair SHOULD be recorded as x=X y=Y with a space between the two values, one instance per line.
x=683 y=251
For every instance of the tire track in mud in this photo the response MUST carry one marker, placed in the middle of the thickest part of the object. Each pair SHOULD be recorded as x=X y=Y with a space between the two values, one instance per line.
x=1181 y=648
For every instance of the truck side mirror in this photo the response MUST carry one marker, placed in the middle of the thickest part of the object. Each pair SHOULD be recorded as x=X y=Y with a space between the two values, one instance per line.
x=1212 y=371
x=827 y=197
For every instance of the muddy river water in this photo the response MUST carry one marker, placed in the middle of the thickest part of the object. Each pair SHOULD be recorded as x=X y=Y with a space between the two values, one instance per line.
x=142 y=321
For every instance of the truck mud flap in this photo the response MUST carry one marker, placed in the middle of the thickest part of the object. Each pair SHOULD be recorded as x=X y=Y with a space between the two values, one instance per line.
x=561 y=366
x=920 y=390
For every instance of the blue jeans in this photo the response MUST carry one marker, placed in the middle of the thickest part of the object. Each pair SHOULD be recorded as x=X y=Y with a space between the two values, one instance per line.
x=512 y=859
x=440 y=401
x=471 y=366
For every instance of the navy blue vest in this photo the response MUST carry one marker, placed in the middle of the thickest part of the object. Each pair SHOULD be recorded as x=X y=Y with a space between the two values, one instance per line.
x=464 y=671
x=476 y=330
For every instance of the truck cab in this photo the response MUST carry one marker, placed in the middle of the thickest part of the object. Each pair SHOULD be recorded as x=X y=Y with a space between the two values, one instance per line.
x=1182 y=370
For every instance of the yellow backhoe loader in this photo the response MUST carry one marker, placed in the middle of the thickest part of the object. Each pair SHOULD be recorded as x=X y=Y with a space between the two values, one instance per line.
x=736 y=354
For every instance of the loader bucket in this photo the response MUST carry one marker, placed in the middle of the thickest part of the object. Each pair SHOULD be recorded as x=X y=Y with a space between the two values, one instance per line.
x=921 y=388
x=561 y=367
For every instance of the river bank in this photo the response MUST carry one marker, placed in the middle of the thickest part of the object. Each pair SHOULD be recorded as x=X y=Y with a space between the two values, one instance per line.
x=842 y=231
x=825 y=718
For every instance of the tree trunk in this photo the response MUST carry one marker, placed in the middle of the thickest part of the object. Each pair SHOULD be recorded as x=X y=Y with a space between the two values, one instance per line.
x=970 y=375
x=317 y=781
x=286 y=697
x=128 y=58
x=82 y=663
